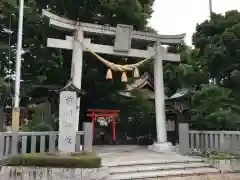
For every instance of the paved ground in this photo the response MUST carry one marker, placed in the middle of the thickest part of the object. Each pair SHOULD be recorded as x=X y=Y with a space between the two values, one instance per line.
x=113 y=155
x=206 y=177
x=120 y=154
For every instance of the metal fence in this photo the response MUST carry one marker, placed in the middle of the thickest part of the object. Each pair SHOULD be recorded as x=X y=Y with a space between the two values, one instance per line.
x=225 y=141
x=13 y=143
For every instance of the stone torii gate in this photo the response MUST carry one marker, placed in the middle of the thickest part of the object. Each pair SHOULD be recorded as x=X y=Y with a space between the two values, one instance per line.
x=124 y=34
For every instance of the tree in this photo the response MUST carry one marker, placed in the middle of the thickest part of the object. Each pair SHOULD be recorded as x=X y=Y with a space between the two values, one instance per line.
x=213 y=107
x=43 y=65
x=39 y=62
x=5 y=93
x=218 y=42
x=188 y=73
x=137 y=119
x=217 y=48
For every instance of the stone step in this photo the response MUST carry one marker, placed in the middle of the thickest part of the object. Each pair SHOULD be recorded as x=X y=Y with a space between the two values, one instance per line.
x=155 y=167
x=147 y=162
x=159 y=174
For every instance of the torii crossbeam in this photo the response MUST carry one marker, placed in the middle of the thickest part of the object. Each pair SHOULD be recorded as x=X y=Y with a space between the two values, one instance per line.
x=124 y=34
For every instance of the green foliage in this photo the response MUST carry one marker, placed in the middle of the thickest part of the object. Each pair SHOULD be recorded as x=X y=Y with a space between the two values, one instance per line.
x=137 y=117
x=215 y=56
x=217 y=155
x=5 y=93
x=214 y=155
x=188 y=73
x=213 y=108
x=46 y=66
x=218 y=42
x=36 y=125
x=43 y=112
x=42 y=120
x=74 y=160
x=217 y=45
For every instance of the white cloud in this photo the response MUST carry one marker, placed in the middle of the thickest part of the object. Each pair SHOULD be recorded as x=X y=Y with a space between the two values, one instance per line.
x=181 y=16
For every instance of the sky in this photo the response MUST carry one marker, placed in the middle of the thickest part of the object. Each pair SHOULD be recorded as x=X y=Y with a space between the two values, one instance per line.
x=181 y=16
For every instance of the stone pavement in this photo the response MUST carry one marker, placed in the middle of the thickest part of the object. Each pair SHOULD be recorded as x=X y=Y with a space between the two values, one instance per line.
x=117 y=155
x=131 y=162
x=231 y=176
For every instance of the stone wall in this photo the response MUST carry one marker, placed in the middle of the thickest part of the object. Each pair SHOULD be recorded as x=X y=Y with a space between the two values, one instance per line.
x=39 y=173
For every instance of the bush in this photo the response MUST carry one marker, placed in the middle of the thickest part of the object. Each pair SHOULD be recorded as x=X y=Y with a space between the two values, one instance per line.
x=73 y=160
x=36 y=126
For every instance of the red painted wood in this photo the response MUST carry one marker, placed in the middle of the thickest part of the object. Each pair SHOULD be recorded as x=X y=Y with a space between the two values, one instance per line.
x=93 y=123
x=102 y=115
x=114 y=128
x=104 y=110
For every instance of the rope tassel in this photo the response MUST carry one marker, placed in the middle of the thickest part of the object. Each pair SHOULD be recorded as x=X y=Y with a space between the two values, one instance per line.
x=124 y=77
x=118 y=67
x=136 y=73
x=109 y=74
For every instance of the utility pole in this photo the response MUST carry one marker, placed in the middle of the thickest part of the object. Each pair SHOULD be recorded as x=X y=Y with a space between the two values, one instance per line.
x=210 y=13
x=210 y=7
x=16 y=109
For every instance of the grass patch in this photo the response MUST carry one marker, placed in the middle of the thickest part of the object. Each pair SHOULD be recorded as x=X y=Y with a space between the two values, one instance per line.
x=72 y=160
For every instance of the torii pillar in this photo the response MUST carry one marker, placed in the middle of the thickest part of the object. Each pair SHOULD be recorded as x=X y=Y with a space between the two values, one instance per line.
x=161 y=145
x=122 y=47
x=76 y=68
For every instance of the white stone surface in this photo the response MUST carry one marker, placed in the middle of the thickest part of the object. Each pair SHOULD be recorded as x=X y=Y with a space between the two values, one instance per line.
x=76 y=68
x=159 y=174
x=161 y=147
x=78 y=113
x=106 y=49
x=67 y=121
x=227 y=165
x=159 y=95
x=133 y=155
x=103 y=30
x=156 y=167
x=77 y=59
x=132 y=162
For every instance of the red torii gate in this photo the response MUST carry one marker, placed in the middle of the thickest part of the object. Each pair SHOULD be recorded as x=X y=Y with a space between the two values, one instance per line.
x=92 y=113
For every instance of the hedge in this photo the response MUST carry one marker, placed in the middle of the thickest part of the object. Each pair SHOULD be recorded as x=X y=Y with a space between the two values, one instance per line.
x=72 y=160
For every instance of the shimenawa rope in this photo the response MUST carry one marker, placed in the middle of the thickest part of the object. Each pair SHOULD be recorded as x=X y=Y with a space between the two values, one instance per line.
x=118 y=67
